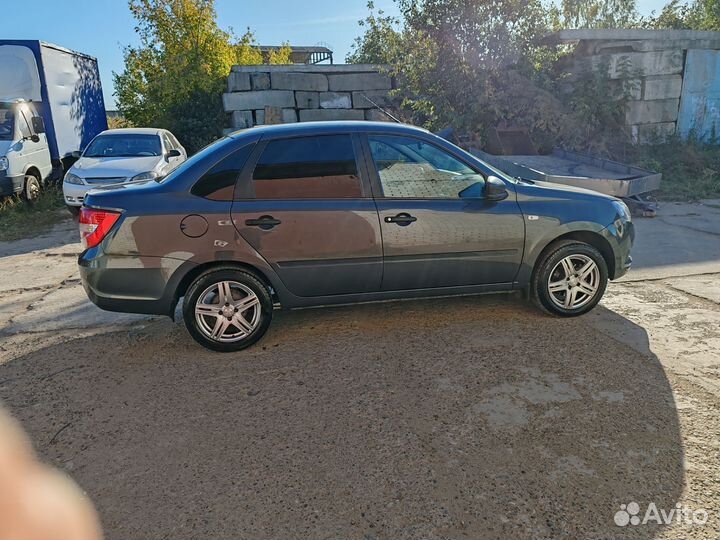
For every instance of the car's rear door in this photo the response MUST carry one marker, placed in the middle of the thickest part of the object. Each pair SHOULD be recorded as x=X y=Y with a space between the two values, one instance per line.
x=432 y=236
x=305 y=205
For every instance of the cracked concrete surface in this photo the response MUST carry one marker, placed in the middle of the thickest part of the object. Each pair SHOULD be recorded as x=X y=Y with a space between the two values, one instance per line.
x=451 y=418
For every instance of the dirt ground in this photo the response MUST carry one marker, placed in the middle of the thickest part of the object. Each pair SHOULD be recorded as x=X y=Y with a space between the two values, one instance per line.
x=454 y=418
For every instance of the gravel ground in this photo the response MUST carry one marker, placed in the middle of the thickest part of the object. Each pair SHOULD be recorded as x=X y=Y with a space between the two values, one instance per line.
x=452 y=418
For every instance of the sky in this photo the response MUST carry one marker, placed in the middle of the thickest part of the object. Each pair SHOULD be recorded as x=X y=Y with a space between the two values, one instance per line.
x=101 y=28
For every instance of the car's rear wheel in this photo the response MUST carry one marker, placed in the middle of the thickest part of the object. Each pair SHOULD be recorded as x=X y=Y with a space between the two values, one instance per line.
x=570 y=279
x=227 y=309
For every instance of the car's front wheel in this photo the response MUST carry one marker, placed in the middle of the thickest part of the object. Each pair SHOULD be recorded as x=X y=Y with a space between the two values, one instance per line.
x=227 y=309
x=570 y=279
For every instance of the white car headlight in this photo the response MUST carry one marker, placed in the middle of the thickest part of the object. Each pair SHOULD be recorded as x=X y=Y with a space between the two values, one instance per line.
x=4 y=163
x=150 y=175
x=71 y=178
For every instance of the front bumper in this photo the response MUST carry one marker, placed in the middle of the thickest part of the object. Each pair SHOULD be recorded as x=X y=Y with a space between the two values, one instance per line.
x=74 y=194
x=620 y=236
x=10 y=185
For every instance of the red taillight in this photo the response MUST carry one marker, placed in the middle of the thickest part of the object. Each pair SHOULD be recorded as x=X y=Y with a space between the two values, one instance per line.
x=95 y=224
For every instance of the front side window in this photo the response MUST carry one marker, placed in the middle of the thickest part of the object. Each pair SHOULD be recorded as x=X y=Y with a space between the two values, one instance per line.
x=409 y=168
x=321 y=167
x=126 y=145
x=7 y=124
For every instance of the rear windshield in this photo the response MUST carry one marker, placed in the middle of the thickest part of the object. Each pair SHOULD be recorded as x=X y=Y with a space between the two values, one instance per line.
x=126 y=145
x=7 y=122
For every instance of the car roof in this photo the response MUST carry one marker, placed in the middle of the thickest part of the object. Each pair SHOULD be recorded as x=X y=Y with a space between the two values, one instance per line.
x=310 y=128
x=133 y=131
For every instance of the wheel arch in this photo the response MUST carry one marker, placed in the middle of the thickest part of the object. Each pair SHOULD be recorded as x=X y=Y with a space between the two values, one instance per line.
x=179 y=289
x=591 y=238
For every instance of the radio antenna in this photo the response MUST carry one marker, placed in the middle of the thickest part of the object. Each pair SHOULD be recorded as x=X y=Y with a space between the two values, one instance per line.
x=379 y=108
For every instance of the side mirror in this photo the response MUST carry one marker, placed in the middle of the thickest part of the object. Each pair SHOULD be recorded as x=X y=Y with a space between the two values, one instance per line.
x=76 y=154
x=495 y=189
x=172 y=153
x=38 y=124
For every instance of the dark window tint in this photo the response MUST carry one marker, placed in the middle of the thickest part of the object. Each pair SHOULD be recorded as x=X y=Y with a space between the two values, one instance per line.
x=218 y=183
x=320 y=167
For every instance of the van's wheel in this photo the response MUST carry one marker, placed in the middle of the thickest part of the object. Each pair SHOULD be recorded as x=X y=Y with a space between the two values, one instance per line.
x=227 y=309
x=31 y=189
x=570 y=279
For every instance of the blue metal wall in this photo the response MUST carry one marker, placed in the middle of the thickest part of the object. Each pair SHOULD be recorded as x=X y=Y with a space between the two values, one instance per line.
x=700 y=100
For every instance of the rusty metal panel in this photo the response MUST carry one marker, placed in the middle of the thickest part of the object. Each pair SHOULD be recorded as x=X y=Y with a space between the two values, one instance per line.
x=700 y=99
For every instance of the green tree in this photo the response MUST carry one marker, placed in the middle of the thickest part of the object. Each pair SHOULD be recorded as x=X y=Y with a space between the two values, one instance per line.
x=599 y=13
x=698 y=15
x=281 y=55
x=175 y=77
x=381 y=42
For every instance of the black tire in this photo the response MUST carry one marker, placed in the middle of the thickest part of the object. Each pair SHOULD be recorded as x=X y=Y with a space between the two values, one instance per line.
x=31 y=188
x=208 y=280
x=74 y=210
x=550 y=264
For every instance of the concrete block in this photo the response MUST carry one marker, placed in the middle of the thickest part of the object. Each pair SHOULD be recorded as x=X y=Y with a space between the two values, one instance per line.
x=359 y=81
x=375 y=115
x=316 y=82
x=662 y=87
x=652 y=112
x=380 y=97
x=641 y=64
x=307 y=100
x=242 y=119
x=289 y=116
x=238 y=82
x=243 y=101
x=630 y=89
x=260 y=81
x=654 y=133
x=260 y=117
x=319 y=115
x=335 y=100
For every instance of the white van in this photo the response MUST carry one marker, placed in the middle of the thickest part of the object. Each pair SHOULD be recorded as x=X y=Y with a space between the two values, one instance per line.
x=24 y=155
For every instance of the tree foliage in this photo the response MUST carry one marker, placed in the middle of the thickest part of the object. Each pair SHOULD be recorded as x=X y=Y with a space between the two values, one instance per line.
x=174 y=78
x=697 y=15
x=599 y=13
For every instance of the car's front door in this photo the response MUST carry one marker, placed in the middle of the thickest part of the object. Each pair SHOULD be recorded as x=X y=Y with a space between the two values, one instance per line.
x=434 y=235
x=304 y=205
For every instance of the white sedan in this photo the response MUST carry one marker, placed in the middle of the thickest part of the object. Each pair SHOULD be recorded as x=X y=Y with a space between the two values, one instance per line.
x=121 y=155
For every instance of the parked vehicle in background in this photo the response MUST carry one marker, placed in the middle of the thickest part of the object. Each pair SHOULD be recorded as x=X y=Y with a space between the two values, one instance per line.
x=24 y=155
x=122 y=155
x=51 y=105
x=326 y=213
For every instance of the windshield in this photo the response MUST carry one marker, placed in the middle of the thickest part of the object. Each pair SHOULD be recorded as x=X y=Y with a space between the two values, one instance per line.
x=128 y=145
x=7 y=122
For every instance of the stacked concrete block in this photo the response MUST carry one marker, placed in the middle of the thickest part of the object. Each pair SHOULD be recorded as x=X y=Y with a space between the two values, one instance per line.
x=307 y=93
x=648 y=65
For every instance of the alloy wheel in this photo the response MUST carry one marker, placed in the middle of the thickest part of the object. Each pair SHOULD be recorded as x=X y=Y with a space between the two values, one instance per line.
x=228 y=311
x=574 y=282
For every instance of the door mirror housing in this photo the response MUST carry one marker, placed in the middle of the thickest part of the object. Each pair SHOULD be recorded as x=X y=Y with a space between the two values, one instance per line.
x=38 y=124
x=495 y=189
x=172 y=153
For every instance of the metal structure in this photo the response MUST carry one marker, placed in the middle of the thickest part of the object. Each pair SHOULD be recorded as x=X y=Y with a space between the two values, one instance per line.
x=302 y=54
x=579 y=170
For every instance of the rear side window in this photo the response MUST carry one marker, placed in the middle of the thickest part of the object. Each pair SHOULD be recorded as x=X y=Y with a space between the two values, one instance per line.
x=218 y=184
x=321 y=167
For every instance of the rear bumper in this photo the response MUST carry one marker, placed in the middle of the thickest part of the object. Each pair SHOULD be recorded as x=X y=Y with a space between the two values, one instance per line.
x=129 y=284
